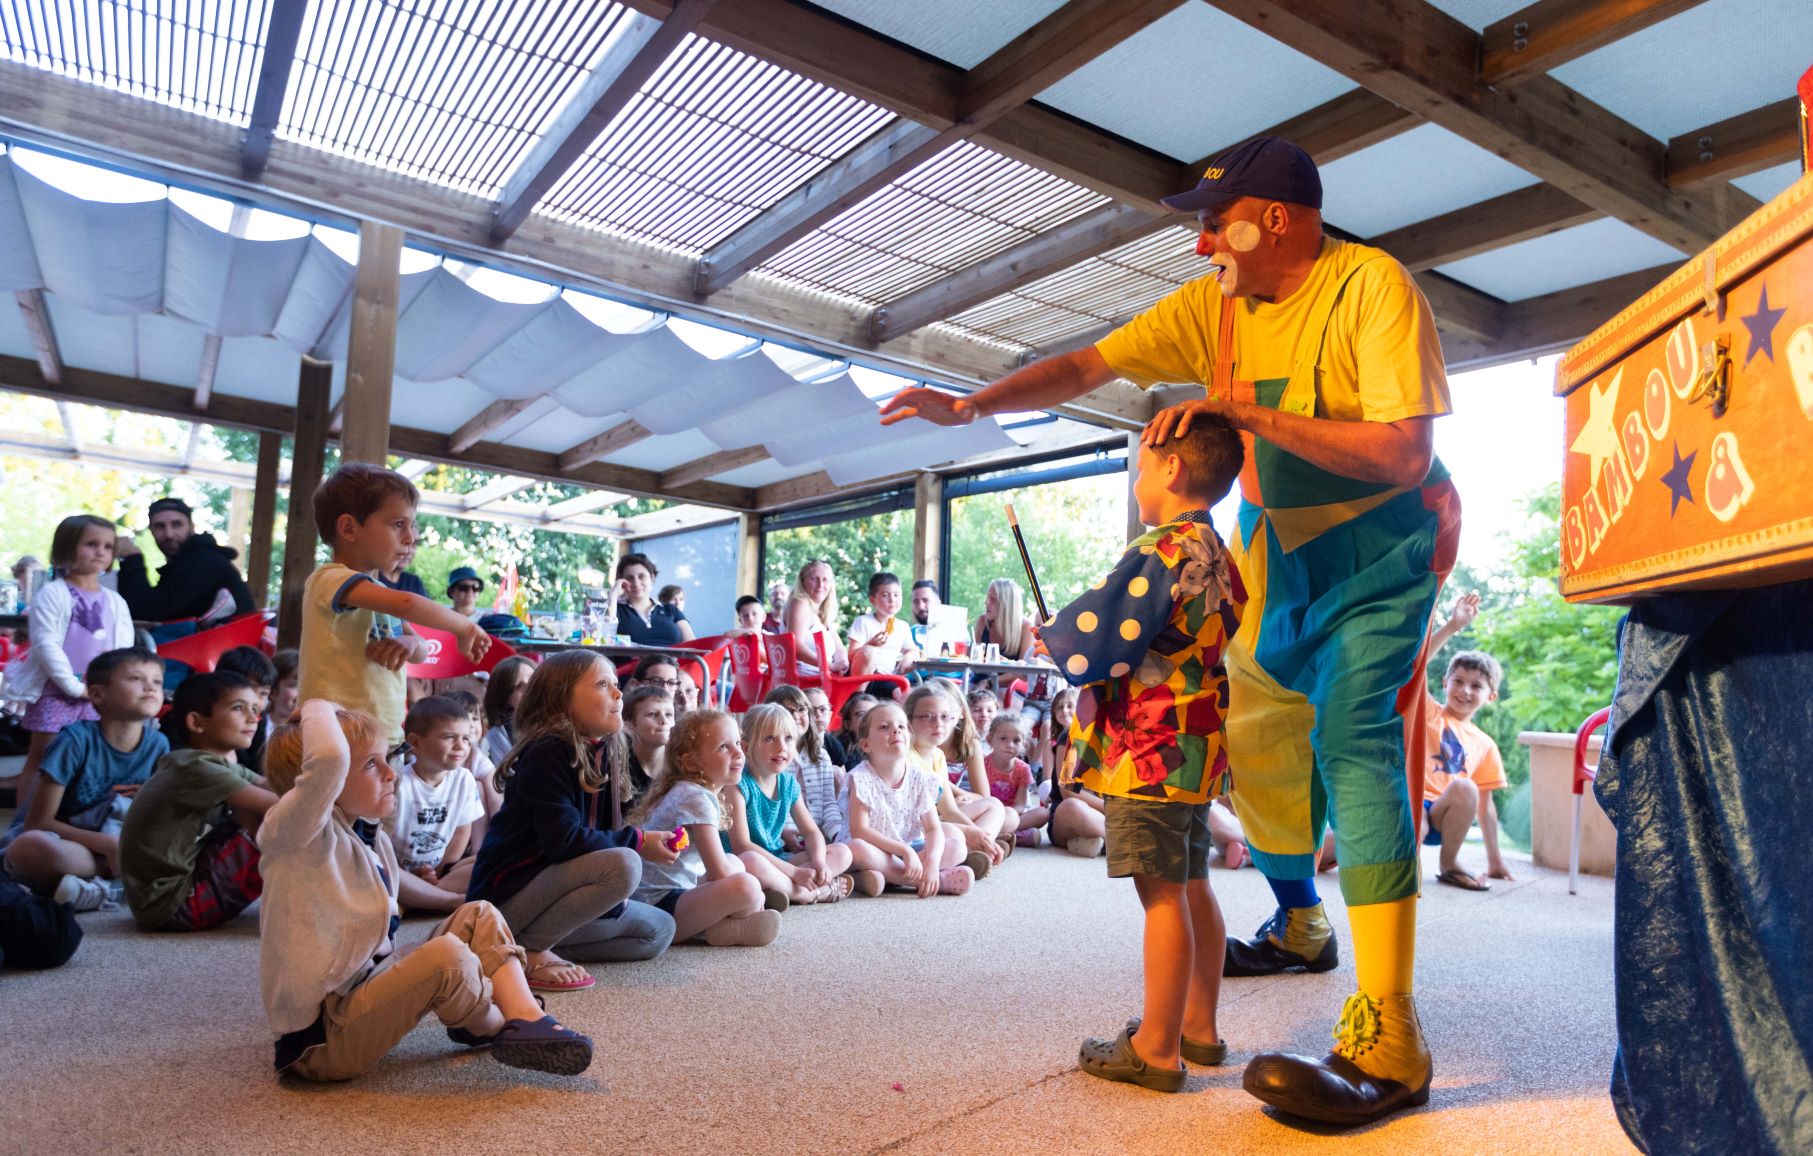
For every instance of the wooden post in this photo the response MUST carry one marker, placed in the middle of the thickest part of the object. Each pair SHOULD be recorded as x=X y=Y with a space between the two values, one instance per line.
x=928 y=526
x=310 y=456
x=1135 y=527
x=264 y=517
x=239 y=519
x=749 y=556
x=371 y=355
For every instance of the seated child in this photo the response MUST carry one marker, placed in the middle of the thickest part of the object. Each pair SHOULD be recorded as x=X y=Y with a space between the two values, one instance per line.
x=250 y=663
x=766 y=800
x=283 y=691
x=503 y=692
x=1074 y=819
x=983 y=707
x=559 y=861
x=1149 y=734
x=355 y=635
x=1010 y=779
x=437 y=803
x=66 y=843
x=820 y=704
x=850 y=718
x=706 y=889
x=879 y=642
x=1465 y=769
x=648 y=717
x=36 y=931
x=821 y=782
x=187 y=856
x=978 y=819
x=338 y=992
x=894 y=823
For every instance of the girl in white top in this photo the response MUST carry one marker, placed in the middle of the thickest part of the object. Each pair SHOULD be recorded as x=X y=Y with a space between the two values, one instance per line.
x=894 y=813
x=71 y=620
x=812 y=609
x=706 y=890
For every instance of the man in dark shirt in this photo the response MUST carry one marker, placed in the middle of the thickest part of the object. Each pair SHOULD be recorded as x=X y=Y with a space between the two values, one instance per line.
x=197 y=580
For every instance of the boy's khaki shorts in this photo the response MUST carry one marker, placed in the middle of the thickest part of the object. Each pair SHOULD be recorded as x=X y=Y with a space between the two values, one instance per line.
x=1166 y=841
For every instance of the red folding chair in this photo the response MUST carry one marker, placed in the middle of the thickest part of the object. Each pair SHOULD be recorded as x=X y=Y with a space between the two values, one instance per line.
x=783 y=661
x=749 y=674
x=201 y=651
x=445 y=660
x=1583 y=775
x=713 y=652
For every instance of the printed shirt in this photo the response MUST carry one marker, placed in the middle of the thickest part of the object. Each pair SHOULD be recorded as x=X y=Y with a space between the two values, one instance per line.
x=1459 y=748
x=426 y=817
x=1379 y=359
x=1145 y=644
x=334 y=636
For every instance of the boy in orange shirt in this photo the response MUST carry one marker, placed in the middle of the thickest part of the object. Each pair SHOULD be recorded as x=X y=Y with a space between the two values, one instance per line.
x=1465 y=767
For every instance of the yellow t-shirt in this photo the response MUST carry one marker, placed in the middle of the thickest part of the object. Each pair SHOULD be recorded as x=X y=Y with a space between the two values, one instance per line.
x=332 y=663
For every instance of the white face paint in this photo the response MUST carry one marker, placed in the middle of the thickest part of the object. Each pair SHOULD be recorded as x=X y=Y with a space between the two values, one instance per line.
x=1243 y=236
x=1229 y=278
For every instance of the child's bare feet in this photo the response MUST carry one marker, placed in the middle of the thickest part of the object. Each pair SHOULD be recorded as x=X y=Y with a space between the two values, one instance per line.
x=546 y=971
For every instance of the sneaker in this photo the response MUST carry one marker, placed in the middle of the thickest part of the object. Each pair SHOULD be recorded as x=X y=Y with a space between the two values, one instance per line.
x=1293 y=938
x=1027 y=838
x=977 y=863
x=88 y=894
x=955 y=880
x=758 y=930
x=1084 y=846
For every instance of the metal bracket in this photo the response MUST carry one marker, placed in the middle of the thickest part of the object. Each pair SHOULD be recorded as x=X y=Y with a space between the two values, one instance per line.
x=1714 y=380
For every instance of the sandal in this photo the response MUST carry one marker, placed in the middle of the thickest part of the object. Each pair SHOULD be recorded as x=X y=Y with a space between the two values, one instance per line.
x=535 y=973
x=1116 y=1060
x=468 y=1039
x=1455 y=877
x=836 y=891
x=542 y=1045
x=1196 y=1051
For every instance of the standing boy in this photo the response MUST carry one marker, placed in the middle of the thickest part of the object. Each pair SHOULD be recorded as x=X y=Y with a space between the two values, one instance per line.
x=1146 y=645
x=354 y=645
x=66 y=843
x=437 y=802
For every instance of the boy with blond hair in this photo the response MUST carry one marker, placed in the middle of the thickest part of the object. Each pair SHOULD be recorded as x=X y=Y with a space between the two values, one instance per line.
x=1146 y=645
x=355 y=641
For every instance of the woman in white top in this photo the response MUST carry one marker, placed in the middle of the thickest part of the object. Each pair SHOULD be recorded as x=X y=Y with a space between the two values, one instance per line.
x=812 y=608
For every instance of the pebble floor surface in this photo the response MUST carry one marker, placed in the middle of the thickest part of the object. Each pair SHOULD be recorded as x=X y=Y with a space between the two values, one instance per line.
x=973 y=1006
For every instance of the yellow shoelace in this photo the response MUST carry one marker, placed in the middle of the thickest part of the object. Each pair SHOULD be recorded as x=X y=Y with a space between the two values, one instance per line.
x=1358 y=1028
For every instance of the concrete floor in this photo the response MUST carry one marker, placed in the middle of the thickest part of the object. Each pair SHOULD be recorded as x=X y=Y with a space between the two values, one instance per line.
x=974 y=1006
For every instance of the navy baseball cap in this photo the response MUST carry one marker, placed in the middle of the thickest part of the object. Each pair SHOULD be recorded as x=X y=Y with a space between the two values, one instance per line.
x=1265 y=166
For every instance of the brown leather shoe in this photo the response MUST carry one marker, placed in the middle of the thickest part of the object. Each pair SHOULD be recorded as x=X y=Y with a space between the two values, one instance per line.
x=1379 y=1065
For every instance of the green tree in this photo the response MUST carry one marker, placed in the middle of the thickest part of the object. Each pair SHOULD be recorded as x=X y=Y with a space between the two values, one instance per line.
x=1074 y=532
x=855 y=550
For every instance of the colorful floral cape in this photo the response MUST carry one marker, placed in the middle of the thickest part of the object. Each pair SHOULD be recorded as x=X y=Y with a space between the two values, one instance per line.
x=1145 y=645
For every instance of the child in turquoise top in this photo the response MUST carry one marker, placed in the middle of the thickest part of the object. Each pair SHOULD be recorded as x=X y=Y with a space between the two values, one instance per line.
x=767 y=797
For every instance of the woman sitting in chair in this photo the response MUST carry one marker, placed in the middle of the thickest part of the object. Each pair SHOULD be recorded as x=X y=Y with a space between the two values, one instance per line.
x=812 y=608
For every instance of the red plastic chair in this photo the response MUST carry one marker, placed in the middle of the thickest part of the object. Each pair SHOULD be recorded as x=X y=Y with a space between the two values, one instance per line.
x=445 y=660
x=749 y=673
x=713 y=652
x=202 y=650
x=784 y=663
x=1583 y=775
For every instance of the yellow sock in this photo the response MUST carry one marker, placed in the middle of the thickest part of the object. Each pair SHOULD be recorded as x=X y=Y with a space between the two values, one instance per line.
x=1384 y=946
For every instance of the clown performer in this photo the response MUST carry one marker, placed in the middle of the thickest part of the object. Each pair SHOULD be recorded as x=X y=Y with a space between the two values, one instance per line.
x=1324 y=355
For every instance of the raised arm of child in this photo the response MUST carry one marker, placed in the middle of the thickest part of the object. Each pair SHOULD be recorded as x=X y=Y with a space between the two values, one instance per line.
x=392 y=653
x=307 y=808
x=862 y=828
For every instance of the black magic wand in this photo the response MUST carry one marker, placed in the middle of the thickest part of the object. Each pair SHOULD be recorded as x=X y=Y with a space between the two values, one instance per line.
x=1038 y=596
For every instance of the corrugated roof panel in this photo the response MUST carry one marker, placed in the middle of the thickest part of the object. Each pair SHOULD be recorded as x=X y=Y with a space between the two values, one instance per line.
x=964 y=204
x=456 y=91
x=200 y=57
x=713 y=138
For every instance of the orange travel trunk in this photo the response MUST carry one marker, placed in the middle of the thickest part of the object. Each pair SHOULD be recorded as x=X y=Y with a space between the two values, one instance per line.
x=1690 y=422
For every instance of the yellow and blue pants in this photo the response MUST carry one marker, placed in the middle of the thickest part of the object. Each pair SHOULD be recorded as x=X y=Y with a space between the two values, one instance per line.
x=1326 y=677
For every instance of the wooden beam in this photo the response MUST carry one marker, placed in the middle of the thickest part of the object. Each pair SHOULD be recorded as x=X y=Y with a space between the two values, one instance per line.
x=43 y=335
x=371 y=349
x=1736 y=146
x=584 y=503
x=1417 y=56
x=308 y=459
x=494 y=490
x=928 y=526
x=140 y=396
x=1535 y=211
x=672 y=520
x=1027 y=65
x=275 y=63
x=1343 y=126
x=264 y=517
x=70 y=432
x=749 y=556
x=1460 y=308
x=1553 y=322
x=493 y=417
x=711 y=465
x=629 y=59
x=1549 y=33
x=625 y=433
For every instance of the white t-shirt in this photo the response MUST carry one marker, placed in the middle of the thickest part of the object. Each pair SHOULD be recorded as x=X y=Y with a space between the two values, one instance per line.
x=426 y=817
x=896 y=812
x=687 y=804
x=884 y=658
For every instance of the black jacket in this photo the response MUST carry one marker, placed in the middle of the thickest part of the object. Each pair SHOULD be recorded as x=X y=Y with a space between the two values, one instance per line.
x=187 y=583
x=547 y=818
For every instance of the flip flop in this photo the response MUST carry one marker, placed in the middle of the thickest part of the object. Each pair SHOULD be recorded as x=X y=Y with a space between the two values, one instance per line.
x=531 y=974
x=1455 y=877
